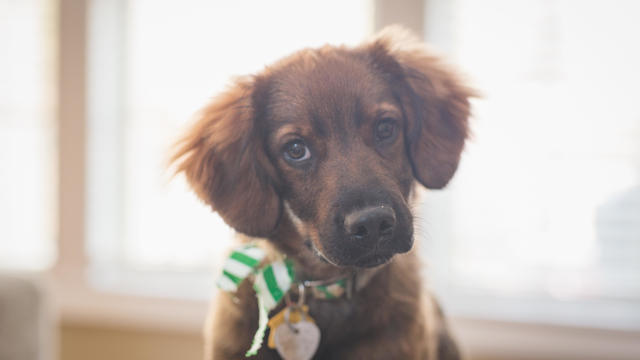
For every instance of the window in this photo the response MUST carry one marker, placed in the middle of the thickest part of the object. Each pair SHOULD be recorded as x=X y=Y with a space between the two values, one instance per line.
x=545 y=207
x=152 y=66
x=27 y=136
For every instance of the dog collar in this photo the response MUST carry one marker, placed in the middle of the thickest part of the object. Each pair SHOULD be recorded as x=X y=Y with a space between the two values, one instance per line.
x=277 y=277
x=273 y=281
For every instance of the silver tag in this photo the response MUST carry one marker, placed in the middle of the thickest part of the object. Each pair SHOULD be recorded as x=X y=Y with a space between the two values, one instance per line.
x=297 y=341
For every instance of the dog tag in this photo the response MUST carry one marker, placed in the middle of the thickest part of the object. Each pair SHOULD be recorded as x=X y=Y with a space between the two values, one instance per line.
x=293 y=316
x=297 y=341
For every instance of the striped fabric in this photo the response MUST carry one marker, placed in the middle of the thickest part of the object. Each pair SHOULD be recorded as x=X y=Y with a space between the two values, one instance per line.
x=273 y=282
x=331 y=291
x=242 y=262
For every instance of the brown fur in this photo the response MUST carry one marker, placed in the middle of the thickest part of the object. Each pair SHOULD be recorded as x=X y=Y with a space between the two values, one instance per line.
x=333 y=97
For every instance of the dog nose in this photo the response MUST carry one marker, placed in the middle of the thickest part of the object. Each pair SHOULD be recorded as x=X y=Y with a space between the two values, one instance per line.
x=371 y=224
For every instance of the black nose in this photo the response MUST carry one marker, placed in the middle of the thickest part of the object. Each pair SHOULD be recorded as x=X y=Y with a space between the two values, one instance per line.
x=371 y=224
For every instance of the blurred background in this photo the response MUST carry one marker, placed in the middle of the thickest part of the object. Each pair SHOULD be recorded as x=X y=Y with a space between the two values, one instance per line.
x=533 y=249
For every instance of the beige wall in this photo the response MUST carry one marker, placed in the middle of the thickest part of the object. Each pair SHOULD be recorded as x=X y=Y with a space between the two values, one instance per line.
x=101 y=343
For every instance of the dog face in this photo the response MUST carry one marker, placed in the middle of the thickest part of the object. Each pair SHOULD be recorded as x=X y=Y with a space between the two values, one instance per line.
x=332 y=139
x=335 y=133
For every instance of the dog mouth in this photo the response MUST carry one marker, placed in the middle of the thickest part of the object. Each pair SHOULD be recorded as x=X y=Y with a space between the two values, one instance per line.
x=372 y=259
x=377 y=258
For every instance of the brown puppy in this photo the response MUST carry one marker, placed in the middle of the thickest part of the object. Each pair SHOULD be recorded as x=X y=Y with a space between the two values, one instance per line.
x=319 y=154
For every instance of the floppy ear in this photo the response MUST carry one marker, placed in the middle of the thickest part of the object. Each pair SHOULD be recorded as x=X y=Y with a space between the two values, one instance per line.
x=436 y=105
x=224 y=161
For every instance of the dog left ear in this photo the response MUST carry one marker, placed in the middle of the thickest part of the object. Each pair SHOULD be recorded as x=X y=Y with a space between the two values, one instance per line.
x=223 y=158
x=436 y=104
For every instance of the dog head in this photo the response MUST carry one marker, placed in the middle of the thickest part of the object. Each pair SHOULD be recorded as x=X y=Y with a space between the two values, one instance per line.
x=332 y=139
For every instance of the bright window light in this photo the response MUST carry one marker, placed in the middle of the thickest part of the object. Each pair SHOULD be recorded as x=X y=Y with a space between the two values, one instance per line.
x=547 y=200
x=27 y=136
x=173 y=58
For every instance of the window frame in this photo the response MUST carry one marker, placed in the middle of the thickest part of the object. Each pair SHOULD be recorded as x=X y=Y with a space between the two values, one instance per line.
x=77 y=301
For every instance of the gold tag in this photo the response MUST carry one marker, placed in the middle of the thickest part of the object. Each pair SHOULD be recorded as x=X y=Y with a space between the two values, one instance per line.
x=279 y=319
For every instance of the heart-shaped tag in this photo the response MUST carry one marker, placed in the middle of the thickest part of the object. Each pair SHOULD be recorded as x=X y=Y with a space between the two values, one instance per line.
x=297 y=341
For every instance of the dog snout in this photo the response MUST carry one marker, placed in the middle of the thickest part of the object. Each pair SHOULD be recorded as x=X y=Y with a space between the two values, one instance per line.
x=370 y=225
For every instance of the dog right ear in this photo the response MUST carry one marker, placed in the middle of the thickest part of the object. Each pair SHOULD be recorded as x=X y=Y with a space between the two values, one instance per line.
x=436 y=102
x=225 y=163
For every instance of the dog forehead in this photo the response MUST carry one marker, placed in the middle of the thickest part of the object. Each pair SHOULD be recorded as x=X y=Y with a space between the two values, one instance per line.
x=330 y=93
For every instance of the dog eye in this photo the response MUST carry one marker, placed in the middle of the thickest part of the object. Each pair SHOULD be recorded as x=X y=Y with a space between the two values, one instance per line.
x=296 y=151
x=385 y=129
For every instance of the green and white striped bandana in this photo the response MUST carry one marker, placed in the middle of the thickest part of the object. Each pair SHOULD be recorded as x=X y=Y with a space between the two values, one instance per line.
x=271 y=284
x=241 y=263
x=273 y=281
